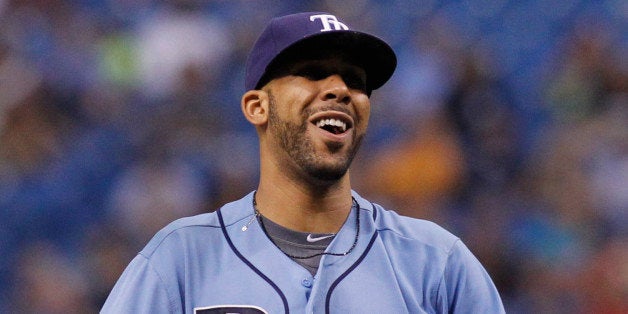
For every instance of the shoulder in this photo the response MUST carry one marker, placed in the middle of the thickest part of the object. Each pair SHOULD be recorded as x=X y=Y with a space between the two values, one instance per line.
x=390 y=224
x=185 y=232
x=462 y=280
x=181 y=229
x=420 y=230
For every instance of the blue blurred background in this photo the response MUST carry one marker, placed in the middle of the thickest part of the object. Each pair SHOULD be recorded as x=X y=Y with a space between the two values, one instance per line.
x=506 y=122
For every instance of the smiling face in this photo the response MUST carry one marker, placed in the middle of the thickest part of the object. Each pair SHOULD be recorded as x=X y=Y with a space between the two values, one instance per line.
x=318 y=115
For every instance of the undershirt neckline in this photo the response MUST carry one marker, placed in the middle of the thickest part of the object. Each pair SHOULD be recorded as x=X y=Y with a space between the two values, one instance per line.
x=295 y=243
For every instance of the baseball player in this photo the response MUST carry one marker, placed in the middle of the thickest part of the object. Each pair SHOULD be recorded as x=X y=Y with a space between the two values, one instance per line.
x=304 y=241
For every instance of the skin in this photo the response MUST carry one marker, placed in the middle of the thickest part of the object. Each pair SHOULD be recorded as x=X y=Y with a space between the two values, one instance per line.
x=304 y=170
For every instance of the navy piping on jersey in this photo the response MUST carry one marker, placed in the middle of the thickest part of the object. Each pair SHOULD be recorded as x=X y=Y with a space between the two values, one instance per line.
x=374 y=212
x=257 y=271
x=346 y=273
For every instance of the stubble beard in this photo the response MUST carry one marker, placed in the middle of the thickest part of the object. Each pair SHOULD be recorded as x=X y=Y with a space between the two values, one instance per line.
x=294 y=141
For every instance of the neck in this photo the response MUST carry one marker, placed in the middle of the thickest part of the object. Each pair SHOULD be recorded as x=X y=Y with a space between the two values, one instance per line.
x=302 y=206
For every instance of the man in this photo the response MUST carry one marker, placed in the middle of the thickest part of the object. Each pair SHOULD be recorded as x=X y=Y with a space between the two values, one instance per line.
x=304 y=242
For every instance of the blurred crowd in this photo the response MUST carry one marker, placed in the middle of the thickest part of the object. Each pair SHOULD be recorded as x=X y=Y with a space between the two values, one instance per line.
x=506 y=122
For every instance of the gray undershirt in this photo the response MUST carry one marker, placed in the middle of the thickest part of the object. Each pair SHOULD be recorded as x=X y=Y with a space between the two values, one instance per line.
x=295 y=243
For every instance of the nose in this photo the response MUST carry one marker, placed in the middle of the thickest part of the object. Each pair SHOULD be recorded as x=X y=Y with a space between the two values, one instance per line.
x=335 y=88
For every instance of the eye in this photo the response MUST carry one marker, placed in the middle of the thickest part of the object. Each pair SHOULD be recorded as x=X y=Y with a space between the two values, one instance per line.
x=312 y=73
x=355 y=81
x=352 y=78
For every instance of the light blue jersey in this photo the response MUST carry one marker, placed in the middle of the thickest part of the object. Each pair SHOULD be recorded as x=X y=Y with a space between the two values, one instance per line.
x=210 y=264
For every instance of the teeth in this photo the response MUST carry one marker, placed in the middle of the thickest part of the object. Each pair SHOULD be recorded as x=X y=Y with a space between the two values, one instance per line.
x=332 y=122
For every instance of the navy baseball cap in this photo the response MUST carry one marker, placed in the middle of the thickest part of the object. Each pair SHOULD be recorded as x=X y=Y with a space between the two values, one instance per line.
x=299 y=34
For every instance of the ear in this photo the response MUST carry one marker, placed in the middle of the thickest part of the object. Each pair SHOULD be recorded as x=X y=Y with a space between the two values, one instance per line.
x=254 y=105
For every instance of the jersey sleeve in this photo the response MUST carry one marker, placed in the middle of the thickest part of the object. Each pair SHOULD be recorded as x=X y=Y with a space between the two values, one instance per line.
x=139 y=290
x=467 y=286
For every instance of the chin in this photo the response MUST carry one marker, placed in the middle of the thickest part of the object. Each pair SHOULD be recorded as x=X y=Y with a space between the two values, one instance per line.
x=328 y=176
x=329 y=172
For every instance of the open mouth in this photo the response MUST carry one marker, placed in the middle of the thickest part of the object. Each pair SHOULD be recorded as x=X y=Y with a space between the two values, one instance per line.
x=332 y=125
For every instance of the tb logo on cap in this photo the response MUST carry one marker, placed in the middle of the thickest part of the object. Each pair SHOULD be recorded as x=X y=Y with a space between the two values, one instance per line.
x=328 y=21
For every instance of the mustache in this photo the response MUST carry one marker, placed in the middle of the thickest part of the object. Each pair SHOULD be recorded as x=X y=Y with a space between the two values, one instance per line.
x=330 y=107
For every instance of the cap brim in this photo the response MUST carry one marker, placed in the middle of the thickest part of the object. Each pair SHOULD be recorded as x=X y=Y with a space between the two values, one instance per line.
x=374 y=55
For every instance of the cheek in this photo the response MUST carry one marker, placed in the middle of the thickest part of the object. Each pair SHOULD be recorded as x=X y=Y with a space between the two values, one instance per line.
x=296 y=101
x=363 y=113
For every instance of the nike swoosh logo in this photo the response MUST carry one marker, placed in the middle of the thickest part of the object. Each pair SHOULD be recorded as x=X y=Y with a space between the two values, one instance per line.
x=310 y=238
